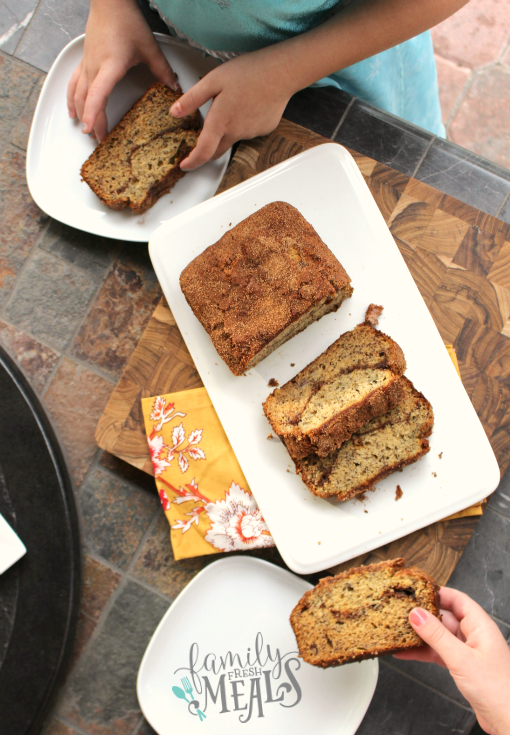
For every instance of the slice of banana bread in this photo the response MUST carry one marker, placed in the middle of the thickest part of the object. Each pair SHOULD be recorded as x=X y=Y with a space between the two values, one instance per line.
x=362 y=613
x=357 y=378
x=139 y=159
x=264 y=281
x=384 y=445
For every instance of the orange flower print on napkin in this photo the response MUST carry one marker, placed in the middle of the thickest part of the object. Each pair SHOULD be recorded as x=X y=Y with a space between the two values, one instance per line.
x=202 y=489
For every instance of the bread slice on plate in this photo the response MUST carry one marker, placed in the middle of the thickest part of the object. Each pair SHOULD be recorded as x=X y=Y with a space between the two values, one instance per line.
x=362 y=613
x=357 y=378
x=264 y=281
x=139 y=159
x=384 y=445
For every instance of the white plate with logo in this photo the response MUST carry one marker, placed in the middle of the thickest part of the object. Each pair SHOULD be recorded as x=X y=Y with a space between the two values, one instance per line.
x=311 y=533
x=224 y=660
x=57 y=148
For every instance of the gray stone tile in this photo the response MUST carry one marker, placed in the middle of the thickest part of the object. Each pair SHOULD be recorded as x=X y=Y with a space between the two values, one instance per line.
x=51 y=298
x=91 y=253
x=56 y=727
x=465 y=176
x=484 y=568
x=101 y=694
x=319 y=110
x=16 y=84
x=115 y=516
x=144 y=728
x=35 y=359
x=384 y=137
x=500 y=500
x=21 y=221
x=431 y=674
x=21 y=132
x=127 y=472
x=504 y=212
x=15 y=15
x=402 y=706
x=120 y=313
x=55 y=23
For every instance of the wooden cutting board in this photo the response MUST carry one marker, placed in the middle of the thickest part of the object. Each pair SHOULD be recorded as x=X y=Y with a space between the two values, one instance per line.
x=459 y=258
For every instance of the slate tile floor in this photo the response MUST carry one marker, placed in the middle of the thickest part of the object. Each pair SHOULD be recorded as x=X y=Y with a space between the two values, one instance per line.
x=73 y=348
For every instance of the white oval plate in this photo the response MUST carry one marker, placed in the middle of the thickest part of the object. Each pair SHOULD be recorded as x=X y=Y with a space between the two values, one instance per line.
x=228 y=633
x=57 y=149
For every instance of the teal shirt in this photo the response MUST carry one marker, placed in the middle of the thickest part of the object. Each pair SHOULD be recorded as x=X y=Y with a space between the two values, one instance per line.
x=237 y=26
x=401 y=80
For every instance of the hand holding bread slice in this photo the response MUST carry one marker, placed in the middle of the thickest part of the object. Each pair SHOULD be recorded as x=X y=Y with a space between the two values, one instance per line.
x=139 y=160
x=362 y=613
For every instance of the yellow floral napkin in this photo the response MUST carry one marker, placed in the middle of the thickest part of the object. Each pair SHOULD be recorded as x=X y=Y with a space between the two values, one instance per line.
x=202 y=489
x=201 y=486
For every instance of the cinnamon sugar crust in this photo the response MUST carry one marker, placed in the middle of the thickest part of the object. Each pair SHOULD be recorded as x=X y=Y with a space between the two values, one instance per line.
x=264 y=281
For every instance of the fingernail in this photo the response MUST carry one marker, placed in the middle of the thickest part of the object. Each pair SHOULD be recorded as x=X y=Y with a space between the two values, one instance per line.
x=84 y=128
x=175 y=86
x=176 y=109
x=418 y=616
x=72 y=115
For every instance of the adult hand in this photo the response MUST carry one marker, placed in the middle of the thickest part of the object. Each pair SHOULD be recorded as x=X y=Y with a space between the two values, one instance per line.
x=470 y=645
x=116 y=38
x=249 y=95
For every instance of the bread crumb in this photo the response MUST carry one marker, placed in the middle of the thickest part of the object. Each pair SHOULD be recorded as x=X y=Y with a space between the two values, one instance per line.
x=365 y=511
x=273 y=383
x=319 y=543
x=398 y=492
x=269 y=436
x=360 y=498
x=292 y=364
x=288 y=470
x=373 y=314
x=435 y=474
x=440 y=455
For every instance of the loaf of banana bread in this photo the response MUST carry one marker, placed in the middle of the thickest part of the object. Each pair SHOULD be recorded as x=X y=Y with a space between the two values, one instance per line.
x=362 y=613
x=139 y=159
x=261 y=283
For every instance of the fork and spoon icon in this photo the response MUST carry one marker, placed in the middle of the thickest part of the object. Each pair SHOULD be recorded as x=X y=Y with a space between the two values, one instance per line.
x=188 y=689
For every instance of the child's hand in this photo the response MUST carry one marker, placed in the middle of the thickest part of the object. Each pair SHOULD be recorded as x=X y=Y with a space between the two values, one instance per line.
x=470 y=645
x=249 y=95
x=117 y=38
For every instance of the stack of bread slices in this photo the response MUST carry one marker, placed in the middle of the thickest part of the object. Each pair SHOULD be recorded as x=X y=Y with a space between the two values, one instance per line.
x=351 y=417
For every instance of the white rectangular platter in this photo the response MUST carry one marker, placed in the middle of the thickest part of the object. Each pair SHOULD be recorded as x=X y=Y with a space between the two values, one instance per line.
x=313 y=534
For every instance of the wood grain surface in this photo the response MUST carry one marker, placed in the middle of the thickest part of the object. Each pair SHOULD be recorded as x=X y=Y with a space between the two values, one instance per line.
x=459 y=258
